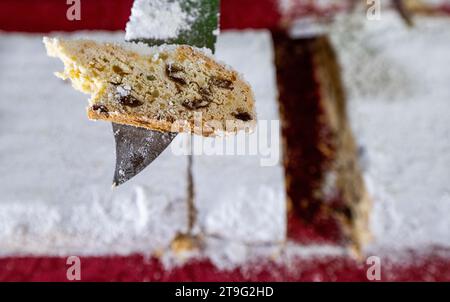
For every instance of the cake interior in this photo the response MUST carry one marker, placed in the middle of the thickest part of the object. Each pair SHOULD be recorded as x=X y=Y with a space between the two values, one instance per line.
x=158 y=88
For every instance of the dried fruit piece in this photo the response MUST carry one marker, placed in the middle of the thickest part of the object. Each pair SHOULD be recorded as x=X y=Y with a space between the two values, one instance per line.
x=100 y=108
x=119 y=70
x=221 y=83
x=196 y=104
x=243 y=116
x=177 y=79
x=173 y=71
x=205 y=91
x=130 y=101
x=115 y=83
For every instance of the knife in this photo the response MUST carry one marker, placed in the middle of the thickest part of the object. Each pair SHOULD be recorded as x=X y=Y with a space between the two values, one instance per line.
x=136 y=148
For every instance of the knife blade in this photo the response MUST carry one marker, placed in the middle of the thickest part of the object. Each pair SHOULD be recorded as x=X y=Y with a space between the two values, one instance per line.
x=136 y=148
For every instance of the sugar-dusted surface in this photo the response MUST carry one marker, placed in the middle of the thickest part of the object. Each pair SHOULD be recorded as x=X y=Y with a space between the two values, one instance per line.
x=237 y=197
x=397 y=83
x=158 y=19
x=56 y=169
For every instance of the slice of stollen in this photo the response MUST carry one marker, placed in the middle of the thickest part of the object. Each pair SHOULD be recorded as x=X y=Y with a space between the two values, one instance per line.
x=167 y=88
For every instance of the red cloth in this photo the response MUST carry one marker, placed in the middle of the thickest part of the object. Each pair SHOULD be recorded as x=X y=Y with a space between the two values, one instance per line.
x=50 y=15
x=431 y=266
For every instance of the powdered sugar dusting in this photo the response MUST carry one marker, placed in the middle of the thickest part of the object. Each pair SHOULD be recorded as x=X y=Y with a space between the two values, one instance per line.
x=123 y=91
x=158 y=19
x=229 y=188
x=230 y=254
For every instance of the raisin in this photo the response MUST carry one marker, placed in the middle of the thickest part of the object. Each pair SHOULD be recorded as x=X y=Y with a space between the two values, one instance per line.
x=130 y=101
x=243 y=116
x=177 y=79
x=196 y=104
x=205 y=91
x=175 y=67
x=204 y=102
x=173 y=72
x=221 y=83
x=100 y=108
x=170 y=119
x=119 y=70
x=151 y=77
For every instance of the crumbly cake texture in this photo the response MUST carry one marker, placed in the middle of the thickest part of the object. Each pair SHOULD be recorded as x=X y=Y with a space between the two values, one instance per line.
x=174 y=88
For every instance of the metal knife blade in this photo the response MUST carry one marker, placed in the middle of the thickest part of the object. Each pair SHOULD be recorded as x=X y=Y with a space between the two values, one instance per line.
x=136 y=148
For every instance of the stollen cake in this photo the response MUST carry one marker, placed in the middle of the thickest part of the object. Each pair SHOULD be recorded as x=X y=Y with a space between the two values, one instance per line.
x=176 y=88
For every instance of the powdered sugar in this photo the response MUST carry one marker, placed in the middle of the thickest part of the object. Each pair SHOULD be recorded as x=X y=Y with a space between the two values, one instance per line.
x=158 y=19
x=237 y=198
x=229 y=254
x=123 y=91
